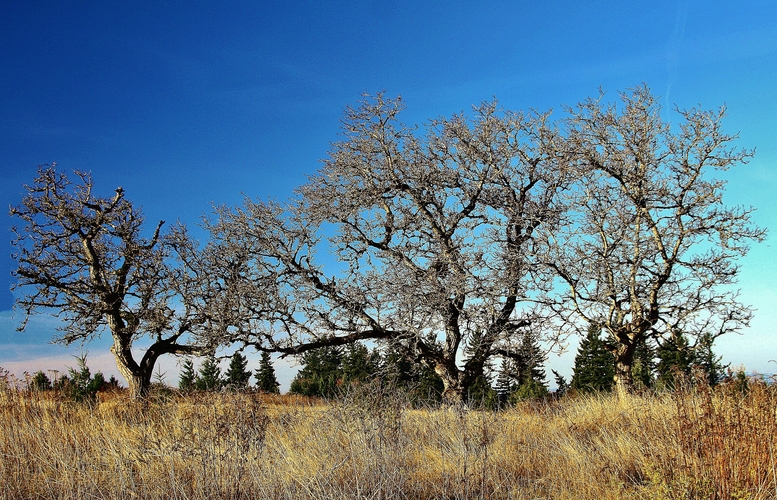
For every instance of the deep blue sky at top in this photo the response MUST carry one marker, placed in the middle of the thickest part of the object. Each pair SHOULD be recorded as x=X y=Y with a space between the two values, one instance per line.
x=188 y=103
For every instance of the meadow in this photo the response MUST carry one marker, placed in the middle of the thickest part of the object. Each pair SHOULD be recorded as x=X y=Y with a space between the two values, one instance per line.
x=695 y=443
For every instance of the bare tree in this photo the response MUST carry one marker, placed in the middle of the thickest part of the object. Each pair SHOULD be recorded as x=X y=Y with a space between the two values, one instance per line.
x=426 y=241
x=649 y=248
x=84 y=258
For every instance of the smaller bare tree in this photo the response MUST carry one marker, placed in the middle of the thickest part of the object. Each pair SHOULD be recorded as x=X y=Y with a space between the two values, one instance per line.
x=650 y=249
x=84 y=258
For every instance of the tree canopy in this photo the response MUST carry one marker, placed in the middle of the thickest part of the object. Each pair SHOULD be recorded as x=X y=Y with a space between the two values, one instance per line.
x=449 y=244
x=85 y=258
x=648 y=247
x=421 y=234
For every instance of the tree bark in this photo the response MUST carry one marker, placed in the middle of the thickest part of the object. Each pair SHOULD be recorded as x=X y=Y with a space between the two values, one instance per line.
x=138 y=379
x=453 y=387
x=624 y=361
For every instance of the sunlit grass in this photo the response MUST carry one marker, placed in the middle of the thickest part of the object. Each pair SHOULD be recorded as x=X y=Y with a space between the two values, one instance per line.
x=693 y=444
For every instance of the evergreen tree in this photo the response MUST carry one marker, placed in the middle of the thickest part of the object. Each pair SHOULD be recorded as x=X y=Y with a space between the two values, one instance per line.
x=425 y=384
x=594 y=368
x=79 y=384
x=237 y=375
x=40 y=382
x=481 y=394
x=507 y=378
x=709 y=364
x=675 y=359
x=209 y=378
x=523 y=371
x=321 y=373
x=188 y=377
x=359 y=364
x=562 y=386
x=522 y=375
x=396 y=367
x=265 y=375
x=533 y=361
x=399 y=369
x=642 y=369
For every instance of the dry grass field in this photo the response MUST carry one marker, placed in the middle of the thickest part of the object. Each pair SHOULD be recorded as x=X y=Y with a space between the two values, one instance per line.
x=692 y=444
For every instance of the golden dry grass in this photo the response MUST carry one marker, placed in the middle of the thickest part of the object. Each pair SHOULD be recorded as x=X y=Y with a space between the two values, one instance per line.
x=693 y=444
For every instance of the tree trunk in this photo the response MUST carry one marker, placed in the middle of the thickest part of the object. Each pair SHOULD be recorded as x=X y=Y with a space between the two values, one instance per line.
x=138 y=379
x=624 y=361
x=453 y=388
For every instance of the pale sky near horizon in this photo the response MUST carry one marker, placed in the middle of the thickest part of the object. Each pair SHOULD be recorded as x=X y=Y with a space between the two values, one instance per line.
x=189 y=103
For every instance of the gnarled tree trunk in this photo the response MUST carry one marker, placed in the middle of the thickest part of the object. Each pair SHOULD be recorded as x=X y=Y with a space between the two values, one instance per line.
x=624 y=362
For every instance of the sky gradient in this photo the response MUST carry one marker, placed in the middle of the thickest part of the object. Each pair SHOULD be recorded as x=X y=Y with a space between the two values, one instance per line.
x=186 y=104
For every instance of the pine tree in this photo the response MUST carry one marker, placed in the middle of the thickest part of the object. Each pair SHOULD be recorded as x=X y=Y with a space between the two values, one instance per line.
x=507 y=378
x=396 y=366
x=237 y=376
x=481 y=394
x=399 y=369
x=642 y=369
x=79 y=384
x=265 y=375
x=188 y=377
x=594 y=368
x=675 y=360
x=522 y=373
x=533 y=360
x=426 y=385
x=562 y=386
x=321 y=373
x=209 y=378
x=359 y=364
x=709 y=364
x=40 y=382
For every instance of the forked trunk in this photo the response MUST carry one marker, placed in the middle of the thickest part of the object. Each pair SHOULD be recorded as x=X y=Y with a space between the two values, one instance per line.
x=138 y=379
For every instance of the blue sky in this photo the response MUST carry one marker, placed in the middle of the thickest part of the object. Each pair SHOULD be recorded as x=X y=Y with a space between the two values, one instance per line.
x=188 y=103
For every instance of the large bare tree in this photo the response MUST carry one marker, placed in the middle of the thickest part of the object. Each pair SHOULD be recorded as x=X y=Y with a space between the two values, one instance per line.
x=649 y=249
x=428 y=241
x=85 y=258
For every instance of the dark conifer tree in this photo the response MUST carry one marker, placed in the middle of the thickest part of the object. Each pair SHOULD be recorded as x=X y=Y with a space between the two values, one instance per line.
x=397 y=365
x=40 y=382
x=209 y=378
x=675 y=359
x=706 y=360
x=321 y=373
x=265 y=375
x=594 y=368
x=481 y=394
x=237 y=376
x=188 y=377
x=399 y=369
x=522 y=372
x=562 y=386
x=644 y=364
x=426 y=385
x=359 y=364
x=533 y=361
x=507 y=380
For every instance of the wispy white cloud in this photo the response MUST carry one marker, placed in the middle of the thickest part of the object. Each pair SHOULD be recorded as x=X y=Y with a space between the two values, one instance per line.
x=674 y=49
